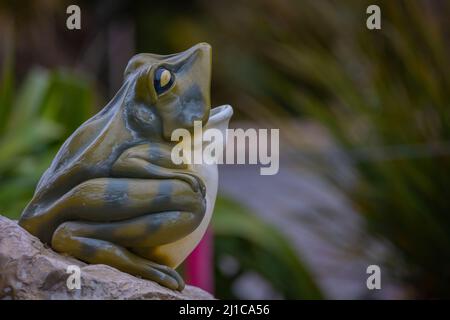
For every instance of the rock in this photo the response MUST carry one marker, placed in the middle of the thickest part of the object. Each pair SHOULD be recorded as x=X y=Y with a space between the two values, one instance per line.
x=31 y=270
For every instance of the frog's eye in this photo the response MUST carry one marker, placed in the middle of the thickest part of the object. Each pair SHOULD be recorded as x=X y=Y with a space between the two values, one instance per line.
x=163 y=80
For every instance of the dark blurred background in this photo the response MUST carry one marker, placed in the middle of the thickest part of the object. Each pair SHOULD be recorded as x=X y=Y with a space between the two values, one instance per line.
x=364 y=119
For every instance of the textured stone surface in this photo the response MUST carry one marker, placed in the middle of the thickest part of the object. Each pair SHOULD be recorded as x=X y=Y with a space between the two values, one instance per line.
x=31 y=270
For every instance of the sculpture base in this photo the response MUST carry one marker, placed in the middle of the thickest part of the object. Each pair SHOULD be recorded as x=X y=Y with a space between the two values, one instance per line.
x=31 y=270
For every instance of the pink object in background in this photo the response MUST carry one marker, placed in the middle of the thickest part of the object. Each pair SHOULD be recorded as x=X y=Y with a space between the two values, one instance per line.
x=199 y=264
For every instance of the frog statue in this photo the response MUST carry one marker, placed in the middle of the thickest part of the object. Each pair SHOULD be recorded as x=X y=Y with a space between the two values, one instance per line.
x=112 y=194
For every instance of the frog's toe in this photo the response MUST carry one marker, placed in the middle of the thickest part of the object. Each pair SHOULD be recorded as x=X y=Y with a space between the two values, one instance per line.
x=166 y=276
x=162 y=278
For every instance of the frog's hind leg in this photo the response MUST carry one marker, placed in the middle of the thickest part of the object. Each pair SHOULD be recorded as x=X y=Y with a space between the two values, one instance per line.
x=106 y=243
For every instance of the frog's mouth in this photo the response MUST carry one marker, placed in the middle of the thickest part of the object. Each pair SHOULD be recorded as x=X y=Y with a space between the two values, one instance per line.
x=219 y=116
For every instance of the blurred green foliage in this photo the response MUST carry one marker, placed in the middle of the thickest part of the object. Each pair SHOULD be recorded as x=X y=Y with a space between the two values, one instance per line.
x=34 y=122
x=384 y=97
x=256 y=247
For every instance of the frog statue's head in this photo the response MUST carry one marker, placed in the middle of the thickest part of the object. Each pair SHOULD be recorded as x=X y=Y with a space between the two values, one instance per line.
x=113 y=181
x=176 y=87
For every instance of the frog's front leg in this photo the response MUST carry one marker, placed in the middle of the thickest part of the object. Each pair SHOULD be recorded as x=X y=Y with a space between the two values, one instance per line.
x=154 y=162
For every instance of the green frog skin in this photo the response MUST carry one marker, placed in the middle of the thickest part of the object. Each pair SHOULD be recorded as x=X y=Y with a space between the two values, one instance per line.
x=112 y=195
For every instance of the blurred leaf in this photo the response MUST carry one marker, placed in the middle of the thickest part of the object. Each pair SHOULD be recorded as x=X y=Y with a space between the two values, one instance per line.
x=262 y=248
x=47 y=107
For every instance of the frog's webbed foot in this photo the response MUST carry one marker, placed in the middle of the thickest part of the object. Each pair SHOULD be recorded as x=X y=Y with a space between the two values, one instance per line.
x=75 y=239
